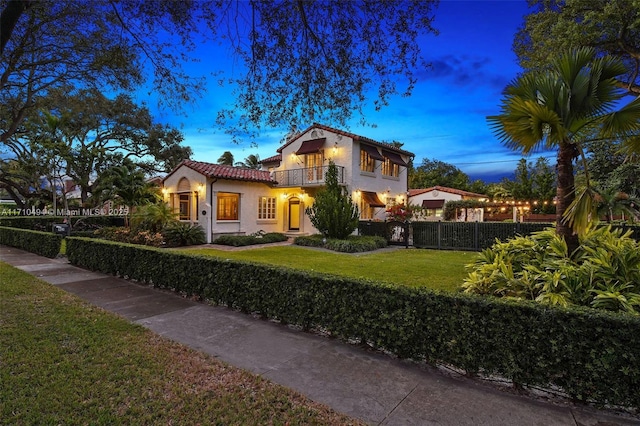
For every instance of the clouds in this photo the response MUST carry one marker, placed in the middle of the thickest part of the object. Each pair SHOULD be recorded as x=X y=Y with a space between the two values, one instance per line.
x=444 y=119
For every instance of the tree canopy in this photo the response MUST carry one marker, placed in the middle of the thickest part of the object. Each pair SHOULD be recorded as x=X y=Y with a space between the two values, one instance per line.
x=80 y=133
x=297 y=61
x=432 y=172
x=609 y=27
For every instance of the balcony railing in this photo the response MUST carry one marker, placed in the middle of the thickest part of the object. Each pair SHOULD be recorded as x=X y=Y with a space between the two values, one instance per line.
x=310 y=176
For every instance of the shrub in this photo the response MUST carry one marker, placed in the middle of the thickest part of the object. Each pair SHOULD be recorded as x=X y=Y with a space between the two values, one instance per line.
x=247 y=240
x=591 y=355
x=184 y=234
x=333 y=212
x=604 y=272
x=153 y=217
x=351 y=244
x=43 y=243
x=125 y=235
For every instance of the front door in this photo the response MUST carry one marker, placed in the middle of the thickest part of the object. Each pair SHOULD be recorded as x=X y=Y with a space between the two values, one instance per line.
x=294 y=214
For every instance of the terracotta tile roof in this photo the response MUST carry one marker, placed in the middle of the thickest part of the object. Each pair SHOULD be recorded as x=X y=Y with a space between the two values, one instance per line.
x=273 y=159
x=353 y=136
x=414 y=192
x=219 y=171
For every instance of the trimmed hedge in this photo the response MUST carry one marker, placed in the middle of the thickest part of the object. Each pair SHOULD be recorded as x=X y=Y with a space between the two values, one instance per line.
x=591 y=355
x=45 y=223
x=248 y=240
x=351 y=244
x=43 y=243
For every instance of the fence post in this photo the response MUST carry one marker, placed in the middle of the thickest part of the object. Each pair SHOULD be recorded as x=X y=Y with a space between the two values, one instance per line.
x=475 y=235
x=406 y=234
x=439 y=234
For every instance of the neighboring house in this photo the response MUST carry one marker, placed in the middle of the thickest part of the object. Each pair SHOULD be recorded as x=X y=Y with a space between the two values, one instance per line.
x=432 y=201
x=232 y=200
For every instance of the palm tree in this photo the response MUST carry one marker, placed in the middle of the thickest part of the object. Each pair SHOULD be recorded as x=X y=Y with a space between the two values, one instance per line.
x=564 y=107
x=129 y=186
x=252 y=162
x=610 y=202
x=226 y=159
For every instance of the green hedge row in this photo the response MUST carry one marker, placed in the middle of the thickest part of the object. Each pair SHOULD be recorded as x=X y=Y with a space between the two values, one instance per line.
x=45 y=223
x=248 y=240
x=351 y=244
x=43 y=243
x=591 y=355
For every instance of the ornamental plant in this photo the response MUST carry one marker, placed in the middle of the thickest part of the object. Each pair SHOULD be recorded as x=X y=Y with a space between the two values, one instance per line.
x=333 y=212
x=401 y=212
x=603 y=272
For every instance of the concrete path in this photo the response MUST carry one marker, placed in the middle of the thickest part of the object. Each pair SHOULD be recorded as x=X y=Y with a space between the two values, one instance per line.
x=367 y=385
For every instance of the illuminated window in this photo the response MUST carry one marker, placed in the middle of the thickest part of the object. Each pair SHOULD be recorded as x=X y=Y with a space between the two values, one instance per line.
x=390 y=169
x=266 y=208
x=228 y=206
x=313 y=164
x=185 y=211
x=367 y=163
x=366 y=211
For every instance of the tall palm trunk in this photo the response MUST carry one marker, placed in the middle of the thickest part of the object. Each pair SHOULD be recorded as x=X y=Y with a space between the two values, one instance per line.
x=566 y=193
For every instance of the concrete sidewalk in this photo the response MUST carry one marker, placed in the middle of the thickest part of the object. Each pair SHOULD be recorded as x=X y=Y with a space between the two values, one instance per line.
x=367 y=385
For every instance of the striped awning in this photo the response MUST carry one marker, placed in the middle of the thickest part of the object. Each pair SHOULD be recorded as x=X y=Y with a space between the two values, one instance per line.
x=432 y=204
x=372 y=199
x=394 y=158
x=311 y=147
x=372 y=151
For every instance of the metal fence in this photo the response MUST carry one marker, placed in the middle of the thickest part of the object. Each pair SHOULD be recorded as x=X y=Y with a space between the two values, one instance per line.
x=474 y=236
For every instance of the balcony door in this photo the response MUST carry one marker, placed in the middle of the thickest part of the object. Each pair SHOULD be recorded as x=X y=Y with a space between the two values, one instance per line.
x=313 y=164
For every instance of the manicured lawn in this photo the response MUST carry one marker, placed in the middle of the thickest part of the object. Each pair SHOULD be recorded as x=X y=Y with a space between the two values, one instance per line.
x=65 y=362
x=438 y=270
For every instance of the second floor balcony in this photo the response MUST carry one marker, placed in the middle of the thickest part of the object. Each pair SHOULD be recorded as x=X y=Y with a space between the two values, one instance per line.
x=305 y=177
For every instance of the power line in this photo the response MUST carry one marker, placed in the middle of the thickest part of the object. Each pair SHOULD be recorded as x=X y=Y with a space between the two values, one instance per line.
x=497 y=161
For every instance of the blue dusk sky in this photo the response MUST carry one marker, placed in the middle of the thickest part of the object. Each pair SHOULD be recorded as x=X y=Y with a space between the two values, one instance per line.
x=444 y=119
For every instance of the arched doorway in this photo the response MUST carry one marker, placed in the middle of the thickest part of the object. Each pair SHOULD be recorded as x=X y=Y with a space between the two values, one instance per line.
x=294 y=214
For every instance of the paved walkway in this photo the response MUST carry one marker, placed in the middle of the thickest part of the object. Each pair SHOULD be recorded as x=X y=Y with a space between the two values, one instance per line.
x=363 y=384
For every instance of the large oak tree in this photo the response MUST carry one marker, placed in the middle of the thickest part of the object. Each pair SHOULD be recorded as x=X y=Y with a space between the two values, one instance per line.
x=79 y=134
x=297 y=61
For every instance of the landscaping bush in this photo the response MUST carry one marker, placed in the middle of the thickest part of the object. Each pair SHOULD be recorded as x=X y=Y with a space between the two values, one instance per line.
x=247 y=240
x=604 y=272
x=591 y=355
x=43 y=243
x=153 y=217
x=183 y=234
x=352 y=244
x=333 y=212
x=125 y=235
x=45 y=223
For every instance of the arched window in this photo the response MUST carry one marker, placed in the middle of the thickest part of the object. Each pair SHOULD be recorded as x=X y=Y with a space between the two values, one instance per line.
x=184 y=199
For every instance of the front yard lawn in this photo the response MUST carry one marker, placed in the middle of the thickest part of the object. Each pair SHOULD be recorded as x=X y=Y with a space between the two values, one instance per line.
x=63 y=361
x=437 y=270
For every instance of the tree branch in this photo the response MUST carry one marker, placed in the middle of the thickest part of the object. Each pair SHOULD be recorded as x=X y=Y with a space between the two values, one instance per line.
x=9 y=18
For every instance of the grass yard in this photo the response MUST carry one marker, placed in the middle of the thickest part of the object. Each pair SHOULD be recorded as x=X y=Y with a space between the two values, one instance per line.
x=63 y=361
x=434 y=269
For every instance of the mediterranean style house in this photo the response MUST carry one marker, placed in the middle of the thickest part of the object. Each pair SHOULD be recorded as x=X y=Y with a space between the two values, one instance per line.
x=241 y=201
x=432 y=202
